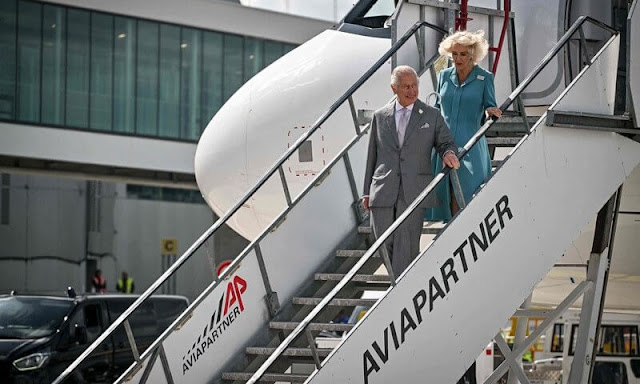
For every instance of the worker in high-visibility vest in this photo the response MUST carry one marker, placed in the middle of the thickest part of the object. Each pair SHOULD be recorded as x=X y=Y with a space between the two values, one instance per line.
x=125 y=284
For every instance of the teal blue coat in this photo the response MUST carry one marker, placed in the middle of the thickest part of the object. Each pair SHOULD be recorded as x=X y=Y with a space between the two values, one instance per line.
x=462 y=107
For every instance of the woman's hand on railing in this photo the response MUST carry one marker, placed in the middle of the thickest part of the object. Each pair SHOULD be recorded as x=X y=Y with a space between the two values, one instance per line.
x=494 y=111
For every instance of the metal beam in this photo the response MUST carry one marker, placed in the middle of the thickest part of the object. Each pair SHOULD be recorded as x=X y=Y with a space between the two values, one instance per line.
x=593 y=301
x=521 y=333
x=570 y=299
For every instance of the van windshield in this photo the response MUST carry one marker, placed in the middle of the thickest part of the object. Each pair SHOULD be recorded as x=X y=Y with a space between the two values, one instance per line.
x=31 y=317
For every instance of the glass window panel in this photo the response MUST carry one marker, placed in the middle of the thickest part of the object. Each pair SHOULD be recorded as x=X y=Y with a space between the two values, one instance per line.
x=211 y=76
x=635 y=367
x=169 y=83
x=618 y=340
x=191 y=54
x=53 y=64
x=557 y=340
x=77 y=68
x=29 y=45
x=272 y=52
x=8 y=16
x=253 y=49
x=381 y=8
x=609 y=372
x=101 y=100
x=124 y=75
x=147 y=79
x=232 y=65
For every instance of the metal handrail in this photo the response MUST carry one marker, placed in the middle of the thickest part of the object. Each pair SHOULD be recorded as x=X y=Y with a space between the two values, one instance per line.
x=429 y=188
x=222 y=220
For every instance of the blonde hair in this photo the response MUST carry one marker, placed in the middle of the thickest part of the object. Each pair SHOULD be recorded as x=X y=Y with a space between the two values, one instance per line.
x=478 y=45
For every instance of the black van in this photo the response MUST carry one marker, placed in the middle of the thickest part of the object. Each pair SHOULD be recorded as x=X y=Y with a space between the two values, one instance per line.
x=42 y=335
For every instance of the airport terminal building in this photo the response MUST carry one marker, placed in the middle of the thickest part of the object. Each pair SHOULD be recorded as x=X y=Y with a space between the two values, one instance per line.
x=101 y=106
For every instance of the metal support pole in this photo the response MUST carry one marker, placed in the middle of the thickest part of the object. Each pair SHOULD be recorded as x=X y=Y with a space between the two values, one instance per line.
x=510 y=358
x=312 y=345
x=592 y=303
x=522 y=324
x=273 y=303
x=149 y=367
x=490 y=39
x=354 y=115
x=583 y=49
x=551 y=318
x=423 y=39
x=457 y=189
x=420 y=45
x=358 y=210
x=285 y=187
x=165 y=365
x=132 y=341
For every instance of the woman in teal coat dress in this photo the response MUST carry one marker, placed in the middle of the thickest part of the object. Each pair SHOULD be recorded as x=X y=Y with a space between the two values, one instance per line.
x=466 y=93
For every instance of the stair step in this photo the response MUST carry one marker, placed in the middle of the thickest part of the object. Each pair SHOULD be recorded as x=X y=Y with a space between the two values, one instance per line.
x=267 y=377
x=290 y=325
x=292 y=352
x=352 y=253
x=339 y=276
x=334 y=302
x=429 y=228
x=503 y=141
x=369 y=286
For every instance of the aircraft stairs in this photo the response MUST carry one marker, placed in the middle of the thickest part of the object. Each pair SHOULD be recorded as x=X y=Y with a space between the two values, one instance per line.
x=374 y=351
x=238 y=322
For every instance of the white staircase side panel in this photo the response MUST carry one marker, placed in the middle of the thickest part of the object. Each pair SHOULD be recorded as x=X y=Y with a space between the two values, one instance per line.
x=449 y=304
x=594 y=90
x=554 y=182
x=220 y=327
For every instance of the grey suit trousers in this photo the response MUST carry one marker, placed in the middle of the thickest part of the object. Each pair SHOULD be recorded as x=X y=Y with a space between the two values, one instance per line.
x=403 y=246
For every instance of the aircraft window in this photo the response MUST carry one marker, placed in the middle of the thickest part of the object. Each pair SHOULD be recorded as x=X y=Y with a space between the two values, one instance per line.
x=609 y=372
x=305 y=154
x=557 y=340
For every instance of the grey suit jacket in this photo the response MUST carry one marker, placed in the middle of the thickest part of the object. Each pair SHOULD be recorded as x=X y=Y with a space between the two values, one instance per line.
x=389 y=166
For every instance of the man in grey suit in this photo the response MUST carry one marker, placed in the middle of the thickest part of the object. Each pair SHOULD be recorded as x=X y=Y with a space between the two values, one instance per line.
x=402 y=135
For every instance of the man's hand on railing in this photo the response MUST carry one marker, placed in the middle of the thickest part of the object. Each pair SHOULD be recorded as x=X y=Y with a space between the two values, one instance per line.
x=365 y=202
x=451 y=160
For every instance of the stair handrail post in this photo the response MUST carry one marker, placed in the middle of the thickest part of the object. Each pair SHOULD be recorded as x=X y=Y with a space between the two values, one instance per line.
x=416 y=202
